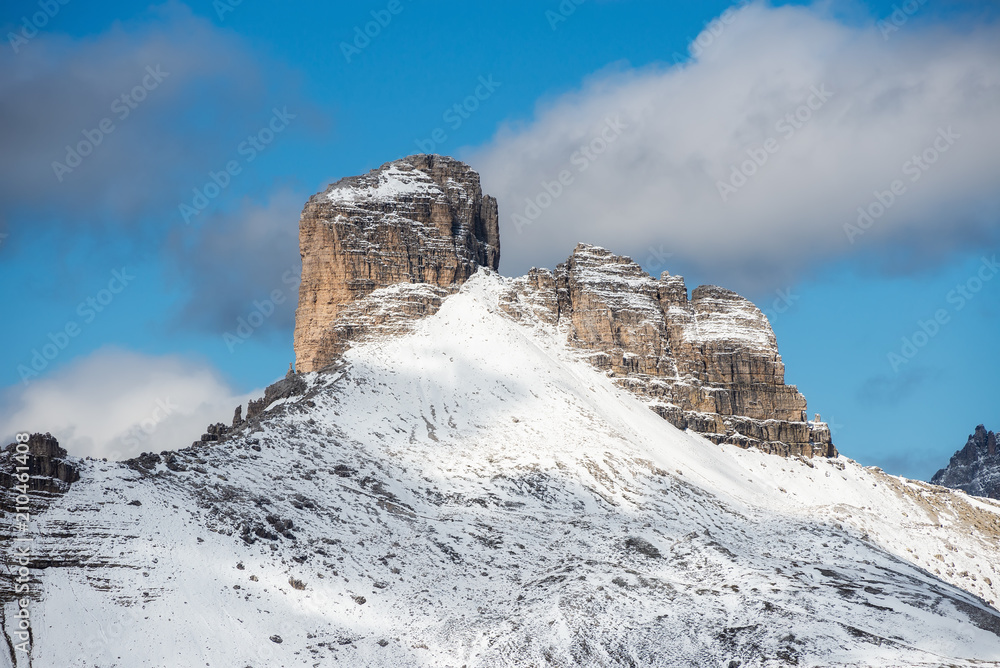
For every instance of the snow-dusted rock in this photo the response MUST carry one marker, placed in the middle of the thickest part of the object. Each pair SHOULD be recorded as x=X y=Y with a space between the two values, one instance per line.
x=422 y=219
x=710 y=363
x=975 y=469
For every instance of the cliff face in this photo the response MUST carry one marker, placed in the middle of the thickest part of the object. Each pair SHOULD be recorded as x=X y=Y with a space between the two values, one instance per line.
x=975 y=469
x=32 y=476
x=421 y=220
x=709 y=363
x=381 y=250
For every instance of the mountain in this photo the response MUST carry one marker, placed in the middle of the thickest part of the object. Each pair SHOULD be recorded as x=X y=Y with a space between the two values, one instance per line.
x=487 y=472
x=975 y=469
x=381 y=250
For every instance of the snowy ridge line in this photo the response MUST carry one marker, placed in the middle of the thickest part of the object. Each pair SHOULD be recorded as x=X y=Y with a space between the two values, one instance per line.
x=647 y=546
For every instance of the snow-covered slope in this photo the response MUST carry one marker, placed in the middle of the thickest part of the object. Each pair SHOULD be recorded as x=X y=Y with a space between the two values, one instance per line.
x=474 y=494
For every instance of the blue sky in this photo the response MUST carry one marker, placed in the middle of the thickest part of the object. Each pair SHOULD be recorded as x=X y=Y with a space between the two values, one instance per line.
x=698 y=90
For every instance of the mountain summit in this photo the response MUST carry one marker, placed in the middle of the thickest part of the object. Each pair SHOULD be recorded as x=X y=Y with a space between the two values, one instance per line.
x=975 y=469
x=422 y=221
x=385 y=248
x=474 y=477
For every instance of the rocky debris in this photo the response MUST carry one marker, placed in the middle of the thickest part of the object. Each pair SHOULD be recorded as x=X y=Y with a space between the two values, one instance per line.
x=643 y=546
x=218 y=433
x=975 y=469
x=145 y=461
x=213 y=433
x=709 y=363
x=49 y=469
x=419 y=220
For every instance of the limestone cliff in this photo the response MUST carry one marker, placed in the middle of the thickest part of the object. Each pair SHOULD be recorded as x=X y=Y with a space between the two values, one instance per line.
x=709 y=363
x=422 y=220
x=383 y=249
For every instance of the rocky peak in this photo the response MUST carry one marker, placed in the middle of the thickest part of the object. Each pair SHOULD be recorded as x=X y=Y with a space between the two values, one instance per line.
x=384 y=249
x=48 y=465
x=422 y=220
x=709 y=363
x=975 y=469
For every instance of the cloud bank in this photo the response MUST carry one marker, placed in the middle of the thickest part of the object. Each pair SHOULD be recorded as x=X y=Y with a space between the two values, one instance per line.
x=117 y=404
x=119 y=126
x=749 y=163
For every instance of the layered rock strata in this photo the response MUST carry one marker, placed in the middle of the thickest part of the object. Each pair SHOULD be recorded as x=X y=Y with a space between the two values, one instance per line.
x=41 y=465
x=380 y=251
x=32 y=475
x=420 y=220
x=709 y=363
x=975 y=469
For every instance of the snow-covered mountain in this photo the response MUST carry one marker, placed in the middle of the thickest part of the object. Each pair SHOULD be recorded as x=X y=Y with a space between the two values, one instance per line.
x=473 y=493
x=473 y=488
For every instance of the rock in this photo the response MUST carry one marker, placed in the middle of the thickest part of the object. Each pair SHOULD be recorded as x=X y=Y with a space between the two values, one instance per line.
x=975 y=469
x=382 y=250
x=238 y=416
x=709 y=364
x=643 y=546
x=419 y=220
x=289 y=386
x=49 y=469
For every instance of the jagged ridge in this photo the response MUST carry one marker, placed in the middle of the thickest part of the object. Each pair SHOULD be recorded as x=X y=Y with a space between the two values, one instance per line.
x=385 y=249
x=975 y=469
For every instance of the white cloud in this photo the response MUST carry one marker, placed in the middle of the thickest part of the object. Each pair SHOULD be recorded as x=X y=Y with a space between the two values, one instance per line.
x=654 y=190
x=117 y=404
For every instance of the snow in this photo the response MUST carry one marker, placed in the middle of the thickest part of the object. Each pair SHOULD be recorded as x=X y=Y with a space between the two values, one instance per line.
x=392 y=184
x=499 y=502
x=743 y=325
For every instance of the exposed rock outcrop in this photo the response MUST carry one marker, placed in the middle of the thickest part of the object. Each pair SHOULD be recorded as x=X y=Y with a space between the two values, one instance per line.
x=32 y=475
x=710 y=363
x=381 y=250
x=419 y=220
x=975 y=469
x=48 y=467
